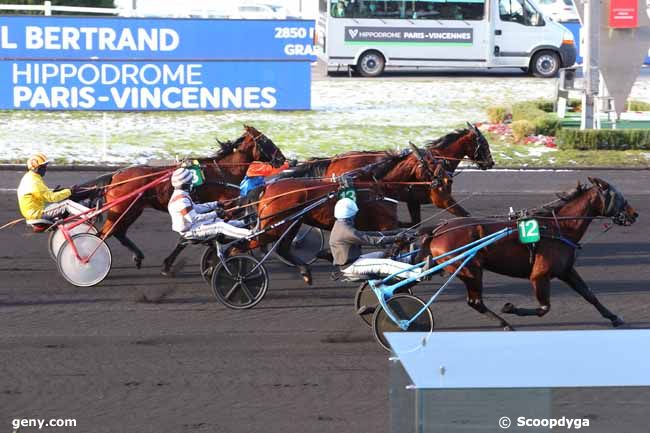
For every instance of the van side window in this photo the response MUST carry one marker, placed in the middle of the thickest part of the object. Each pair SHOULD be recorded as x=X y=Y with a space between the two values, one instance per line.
x=521 y=12
x=466 y=10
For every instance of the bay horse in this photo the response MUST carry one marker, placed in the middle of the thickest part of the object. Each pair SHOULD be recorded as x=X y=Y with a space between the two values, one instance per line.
x=223 y=172
x=562 y=224
x=450 y=150
x=285 y=197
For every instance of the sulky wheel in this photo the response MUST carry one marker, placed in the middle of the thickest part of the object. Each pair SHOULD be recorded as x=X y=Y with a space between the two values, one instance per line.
x=404 y=307
x=92 y=264
x=57 y=238
x=240 y=282
x=209 y=260
x=365 y=301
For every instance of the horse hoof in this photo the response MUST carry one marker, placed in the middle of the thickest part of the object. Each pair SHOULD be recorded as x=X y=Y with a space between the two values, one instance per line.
x=166 y=273
x=618 y=322
x=508 y=328
x=508 y=308
x=307 y=279
x=138 y=262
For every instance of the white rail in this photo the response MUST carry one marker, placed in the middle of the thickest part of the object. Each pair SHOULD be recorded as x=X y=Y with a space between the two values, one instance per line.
x=47 y=9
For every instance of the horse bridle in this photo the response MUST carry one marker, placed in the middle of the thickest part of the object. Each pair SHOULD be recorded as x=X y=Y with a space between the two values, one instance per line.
x=436 y=181
x=260 y=142
x=613 y=204
x=479 y=143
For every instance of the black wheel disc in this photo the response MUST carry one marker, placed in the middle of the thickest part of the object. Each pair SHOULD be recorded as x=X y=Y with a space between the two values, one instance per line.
x=365 y=298
x=240 y=282
x=209 y=261
x=307 y=243
x=404 y=307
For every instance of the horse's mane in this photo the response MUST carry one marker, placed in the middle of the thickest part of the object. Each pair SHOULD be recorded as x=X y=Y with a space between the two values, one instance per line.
x=379 y=169
x=226 y=147
x=550 y=208
x=314 y=167
x=446 y=140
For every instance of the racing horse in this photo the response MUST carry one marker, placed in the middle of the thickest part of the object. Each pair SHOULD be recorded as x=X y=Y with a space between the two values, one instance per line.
x=223 y=172
x=450 y=150
x=285 y=197
x=562 y=224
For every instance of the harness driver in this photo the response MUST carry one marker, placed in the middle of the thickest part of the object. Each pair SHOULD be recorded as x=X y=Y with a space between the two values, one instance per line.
x=346 y=242
x=198 y=221
x=33 y=194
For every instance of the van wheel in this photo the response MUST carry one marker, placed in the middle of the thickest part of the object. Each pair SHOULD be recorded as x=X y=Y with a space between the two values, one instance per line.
x=545 y=64
x=371 y=64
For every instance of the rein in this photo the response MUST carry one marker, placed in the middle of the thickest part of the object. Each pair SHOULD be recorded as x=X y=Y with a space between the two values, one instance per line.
x=12 y=223
x=132 y=179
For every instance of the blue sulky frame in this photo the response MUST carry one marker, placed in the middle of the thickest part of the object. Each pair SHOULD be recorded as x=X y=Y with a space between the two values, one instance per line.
x=465 y=253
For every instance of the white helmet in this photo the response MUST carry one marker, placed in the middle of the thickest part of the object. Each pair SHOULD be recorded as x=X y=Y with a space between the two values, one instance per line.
x=181 y=176
x=345 y=209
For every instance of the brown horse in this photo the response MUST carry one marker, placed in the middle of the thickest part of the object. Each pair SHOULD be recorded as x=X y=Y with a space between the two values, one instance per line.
x=562 y=226
x=450 y=150
x=223 y=172
x=283 y=198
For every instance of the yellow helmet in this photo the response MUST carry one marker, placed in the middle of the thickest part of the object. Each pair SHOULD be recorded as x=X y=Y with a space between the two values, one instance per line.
x=36 y=161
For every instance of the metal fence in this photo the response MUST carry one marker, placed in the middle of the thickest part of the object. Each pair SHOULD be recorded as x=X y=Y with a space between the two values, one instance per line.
x=47 y=9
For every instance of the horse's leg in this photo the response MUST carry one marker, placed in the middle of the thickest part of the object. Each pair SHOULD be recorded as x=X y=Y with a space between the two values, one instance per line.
x=542 y=287
x=414 y=211
x=473 y=280
x=446 y=201
x=169 y=261
x=285 y=250
x=119 y=231
x=138 y=256
x=575 y=281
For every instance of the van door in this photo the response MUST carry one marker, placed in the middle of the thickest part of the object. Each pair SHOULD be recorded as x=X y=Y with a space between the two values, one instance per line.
x=518 y=29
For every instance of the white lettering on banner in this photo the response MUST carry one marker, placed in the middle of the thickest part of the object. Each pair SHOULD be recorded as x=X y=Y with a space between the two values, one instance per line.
x=143 y=98
x=194 y=98
x=5 y=43
x=141 y=87
x=108 y=74
x=299 y=50
x=57 y=98
x=98 y=38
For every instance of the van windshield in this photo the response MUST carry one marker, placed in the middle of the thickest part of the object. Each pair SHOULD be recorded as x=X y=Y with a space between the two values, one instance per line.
x=521 y=12
x=465 y=10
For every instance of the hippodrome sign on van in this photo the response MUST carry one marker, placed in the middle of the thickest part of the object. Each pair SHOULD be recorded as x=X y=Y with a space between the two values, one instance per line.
x=68 y=63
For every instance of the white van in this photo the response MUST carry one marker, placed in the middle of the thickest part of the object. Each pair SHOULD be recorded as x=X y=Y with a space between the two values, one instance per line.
x=369 y=35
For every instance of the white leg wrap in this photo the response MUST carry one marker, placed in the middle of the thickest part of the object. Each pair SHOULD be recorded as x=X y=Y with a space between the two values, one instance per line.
x=219 y=227
x=366 y=266
x=66 y=206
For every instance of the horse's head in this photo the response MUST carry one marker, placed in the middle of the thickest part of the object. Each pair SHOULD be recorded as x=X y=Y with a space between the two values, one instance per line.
x=480 y=148
x=613 y=204
x=260 y=147
x=431 y=170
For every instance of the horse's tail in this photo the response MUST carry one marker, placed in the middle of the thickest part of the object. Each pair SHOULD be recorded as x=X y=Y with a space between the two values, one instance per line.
x=426 y=235
x=425 y=244
x=95 y=190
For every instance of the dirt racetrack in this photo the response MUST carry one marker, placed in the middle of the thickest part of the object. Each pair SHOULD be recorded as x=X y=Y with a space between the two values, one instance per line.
x=299 y=362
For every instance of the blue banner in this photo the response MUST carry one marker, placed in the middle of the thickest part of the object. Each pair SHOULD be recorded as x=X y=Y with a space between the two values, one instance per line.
x=74 y=85
x=92 y=38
